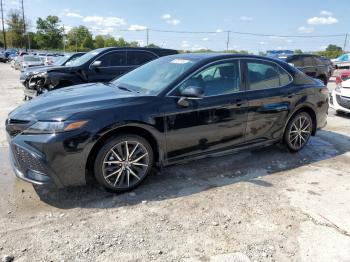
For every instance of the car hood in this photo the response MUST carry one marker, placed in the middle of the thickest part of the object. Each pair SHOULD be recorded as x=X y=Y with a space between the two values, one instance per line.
x=63 y=103
x=41 y=69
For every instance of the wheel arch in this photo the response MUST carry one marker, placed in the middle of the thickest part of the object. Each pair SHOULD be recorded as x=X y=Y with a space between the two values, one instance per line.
x=304 y=108
x=139 y=130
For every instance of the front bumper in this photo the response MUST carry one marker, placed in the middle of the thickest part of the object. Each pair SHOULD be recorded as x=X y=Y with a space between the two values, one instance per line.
x=339 y=102
x=57 y=159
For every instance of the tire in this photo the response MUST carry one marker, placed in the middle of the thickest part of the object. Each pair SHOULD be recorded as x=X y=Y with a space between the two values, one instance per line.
x=298 y=131
x=339 y=112
x=118 y=173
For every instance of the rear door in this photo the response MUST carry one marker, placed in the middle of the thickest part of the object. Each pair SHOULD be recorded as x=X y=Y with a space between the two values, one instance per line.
x=269 y=96
x=136 y=58
x=309 y=66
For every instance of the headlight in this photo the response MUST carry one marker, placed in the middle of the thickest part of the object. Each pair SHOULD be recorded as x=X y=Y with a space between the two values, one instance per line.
x=49 y=127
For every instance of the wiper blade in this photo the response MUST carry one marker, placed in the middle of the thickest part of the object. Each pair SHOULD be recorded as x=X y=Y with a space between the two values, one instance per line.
x=125 y=88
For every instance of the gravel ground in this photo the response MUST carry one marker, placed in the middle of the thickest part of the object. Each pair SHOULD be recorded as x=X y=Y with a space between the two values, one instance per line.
x=263 y=205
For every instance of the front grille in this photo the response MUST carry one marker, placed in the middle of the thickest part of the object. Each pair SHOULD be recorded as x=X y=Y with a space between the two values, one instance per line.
x=28 y=161
x=343 y=101
x=16 y=126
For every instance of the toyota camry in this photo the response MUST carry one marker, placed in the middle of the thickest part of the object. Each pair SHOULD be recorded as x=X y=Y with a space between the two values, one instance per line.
x=168 y=111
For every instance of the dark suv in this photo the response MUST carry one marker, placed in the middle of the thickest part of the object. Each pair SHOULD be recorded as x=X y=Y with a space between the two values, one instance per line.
x=100 y=65
x=312 y=65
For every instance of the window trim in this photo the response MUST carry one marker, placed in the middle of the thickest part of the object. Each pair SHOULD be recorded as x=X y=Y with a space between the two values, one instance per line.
x=242 y=83
x=244 y=60
x=144 y=51
x=126 y=57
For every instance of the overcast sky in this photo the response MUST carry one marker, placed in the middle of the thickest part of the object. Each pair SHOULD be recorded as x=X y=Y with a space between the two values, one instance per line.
x=297 y=17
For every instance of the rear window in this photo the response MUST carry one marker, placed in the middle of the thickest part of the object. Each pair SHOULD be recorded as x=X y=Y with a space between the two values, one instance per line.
x=139 y=57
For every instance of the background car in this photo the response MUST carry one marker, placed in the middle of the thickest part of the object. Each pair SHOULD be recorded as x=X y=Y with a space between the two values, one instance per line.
x=342 y=61
x=28 y=61
x=312 y=65
x=99 y=65
x=172 y=109
x=3 y=58
x=340 y=97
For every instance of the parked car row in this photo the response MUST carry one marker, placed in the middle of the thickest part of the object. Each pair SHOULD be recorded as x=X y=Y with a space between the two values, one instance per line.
x=174 y=108
x=99 y=65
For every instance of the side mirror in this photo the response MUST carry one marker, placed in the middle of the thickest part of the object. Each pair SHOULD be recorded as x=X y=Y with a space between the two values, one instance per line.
x=193 y=92
x=96 y=64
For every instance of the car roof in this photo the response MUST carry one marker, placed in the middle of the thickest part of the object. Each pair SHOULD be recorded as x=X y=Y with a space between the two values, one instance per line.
x=207 y=57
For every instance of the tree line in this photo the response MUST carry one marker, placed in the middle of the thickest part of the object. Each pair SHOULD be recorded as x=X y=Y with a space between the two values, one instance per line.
x=50 y=35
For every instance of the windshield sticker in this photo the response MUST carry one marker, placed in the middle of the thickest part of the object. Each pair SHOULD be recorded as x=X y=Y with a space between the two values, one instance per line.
x=180 y=61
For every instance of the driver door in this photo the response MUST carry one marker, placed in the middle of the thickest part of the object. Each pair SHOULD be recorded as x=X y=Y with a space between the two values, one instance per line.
x=214 y=122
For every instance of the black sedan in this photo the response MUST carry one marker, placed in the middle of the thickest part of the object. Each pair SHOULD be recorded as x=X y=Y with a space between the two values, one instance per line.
x=169 y=110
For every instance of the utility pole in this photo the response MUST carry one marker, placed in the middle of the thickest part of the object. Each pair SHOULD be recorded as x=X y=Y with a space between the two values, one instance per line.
x=346 y=39
x=24 y=26
x=228 y=40
x=147 y=31
x=3 y=26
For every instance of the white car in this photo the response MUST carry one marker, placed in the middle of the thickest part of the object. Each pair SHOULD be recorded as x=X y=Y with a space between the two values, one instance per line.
x=340 y=97
x=342 y=61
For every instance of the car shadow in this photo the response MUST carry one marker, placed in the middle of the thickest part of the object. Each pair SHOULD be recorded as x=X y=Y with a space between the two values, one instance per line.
x=197 y=176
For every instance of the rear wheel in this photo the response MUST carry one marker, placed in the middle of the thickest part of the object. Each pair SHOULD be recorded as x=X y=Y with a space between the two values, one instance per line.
x=298 y=131
x=123 y=162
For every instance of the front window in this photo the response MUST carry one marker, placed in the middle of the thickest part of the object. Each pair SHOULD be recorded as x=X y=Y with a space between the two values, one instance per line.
x=86 y=57
x=219 y=79
x=156 y=75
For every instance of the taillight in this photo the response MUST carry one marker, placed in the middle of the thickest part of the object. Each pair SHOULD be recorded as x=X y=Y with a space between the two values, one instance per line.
x=338 y=80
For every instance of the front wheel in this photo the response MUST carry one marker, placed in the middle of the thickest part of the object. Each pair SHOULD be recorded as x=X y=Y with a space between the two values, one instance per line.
x=298 y=131
x=123 y=162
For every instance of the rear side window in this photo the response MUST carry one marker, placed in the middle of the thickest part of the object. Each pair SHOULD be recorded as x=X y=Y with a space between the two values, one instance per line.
x=264 y=75
x=139 y=57
x=296 y=61
x=309 y=61
x=113 y=59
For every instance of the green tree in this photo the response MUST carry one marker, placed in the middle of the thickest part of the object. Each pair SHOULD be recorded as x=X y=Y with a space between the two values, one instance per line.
x=49 y=33
x=298 y=52
x=80 y=39
x=14 y=36
x=152 y=46
x=110 y=41
x=99 y=41
x=332 y=51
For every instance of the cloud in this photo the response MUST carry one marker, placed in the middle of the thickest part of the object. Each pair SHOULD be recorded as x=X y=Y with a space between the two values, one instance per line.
x=219 y=30
x=322 y=20
x=67 y=28
x=185 y=45
x=262 y=43
x=106 y=31
x=75 y=15
x=105 y=21
x=166 y=16
x=205 y=39
x=326 y=13
x=246 y=18
x=305 y=29
x=137 y=27
x=173 y=21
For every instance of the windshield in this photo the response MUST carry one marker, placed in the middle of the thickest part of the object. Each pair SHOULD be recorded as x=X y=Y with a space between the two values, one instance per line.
x=61 y=60
x=31 y=59
x=154 y=76
x=84 y=58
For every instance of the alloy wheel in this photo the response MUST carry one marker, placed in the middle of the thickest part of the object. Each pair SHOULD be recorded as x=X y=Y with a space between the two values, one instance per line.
x=300 y=132
x=125 y=164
